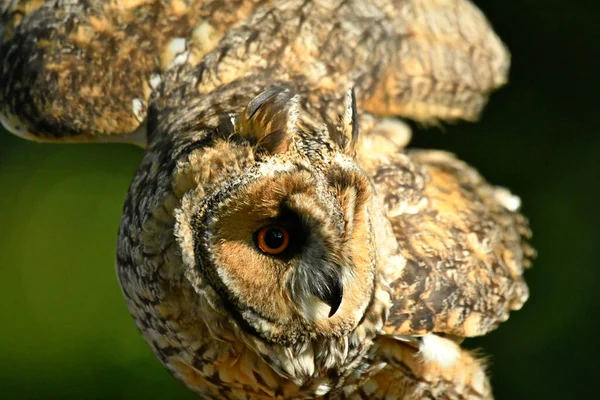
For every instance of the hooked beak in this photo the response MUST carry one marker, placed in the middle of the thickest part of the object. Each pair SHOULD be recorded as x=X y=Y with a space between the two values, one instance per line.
x=331 y=293
x=318 y=282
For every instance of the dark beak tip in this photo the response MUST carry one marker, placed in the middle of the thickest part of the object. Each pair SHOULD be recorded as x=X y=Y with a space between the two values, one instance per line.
x=336 y=300
x=330 y=290
x=333 y=311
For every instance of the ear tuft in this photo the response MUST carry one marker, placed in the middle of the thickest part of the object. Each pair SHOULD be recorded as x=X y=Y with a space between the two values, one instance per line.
x=270 y=119
x=346 y=133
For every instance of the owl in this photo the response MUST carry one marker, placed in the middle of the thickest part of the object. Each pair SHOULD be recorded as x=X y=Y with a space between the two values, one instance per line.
x=279 y=240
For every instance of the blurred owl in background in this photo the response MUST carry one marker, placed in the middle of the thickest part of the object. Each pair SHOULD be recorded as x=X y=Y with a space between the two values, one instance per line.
x=279 y=240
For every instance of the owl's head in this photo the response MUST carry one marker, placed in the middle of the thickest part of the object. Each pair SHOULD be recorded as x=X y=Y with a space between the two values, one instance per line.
x=287 y=243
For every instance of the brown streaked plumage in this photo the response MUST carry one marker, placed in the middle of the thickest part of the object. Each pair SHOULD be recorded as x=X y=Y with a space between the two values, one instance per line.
x=76 y=72
x=464 y=248
x=81 y=71
x=266 y=120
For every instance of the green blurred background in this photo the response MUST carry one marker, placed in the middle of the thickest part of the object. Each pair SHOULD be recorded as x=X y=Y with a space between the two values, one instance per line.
x=64 y=328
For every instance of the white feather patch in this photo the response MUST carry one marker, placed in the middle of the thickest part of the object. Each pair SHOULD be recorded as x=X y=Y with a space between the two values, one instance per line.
x=138 y=107
x=155 y=80
x=434 y=348
x=177 y=45
x=322 y=389
x=179 y=59
x=508 y=200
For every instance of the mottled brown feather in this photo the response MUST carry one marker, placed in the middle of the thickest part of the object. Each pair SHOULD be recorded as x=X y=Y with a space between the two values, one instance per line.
x=77 y=71
x=464 y=250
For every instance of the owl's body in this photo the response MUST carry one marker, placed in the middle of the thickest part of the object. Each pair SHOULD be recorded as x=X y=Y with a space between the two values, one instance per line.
x=266 y=249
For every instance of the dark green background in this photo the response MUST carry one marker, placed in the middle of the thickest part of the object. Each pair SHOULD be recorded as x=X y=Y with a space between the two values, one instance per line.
x=64 y=328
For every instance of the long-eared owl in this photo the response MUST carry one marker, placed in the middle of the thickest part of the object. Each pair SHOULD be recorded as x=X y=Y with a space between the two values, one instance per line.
x=278 y=239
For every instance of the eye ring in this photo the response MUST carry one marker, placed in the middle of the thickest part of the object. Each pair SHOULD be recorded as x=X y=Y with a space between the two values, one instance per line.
x=272 y=240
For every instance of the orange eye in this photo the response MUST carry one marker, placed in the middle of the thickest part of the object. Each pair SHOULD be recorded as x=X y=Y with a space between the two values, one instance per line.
x=272 y=240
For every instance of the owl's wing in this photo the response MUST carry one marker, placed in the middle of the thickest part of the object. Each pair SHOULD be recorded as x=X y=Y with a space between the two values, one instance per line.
x=443 y=65
x=425 y=60
x=462 y=244
x=438 y=370
x=84 y=70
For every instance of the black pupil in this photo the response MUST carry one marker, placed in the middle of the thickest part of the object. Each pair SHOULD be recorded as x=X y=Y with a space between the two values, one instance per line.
x=274 y=238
